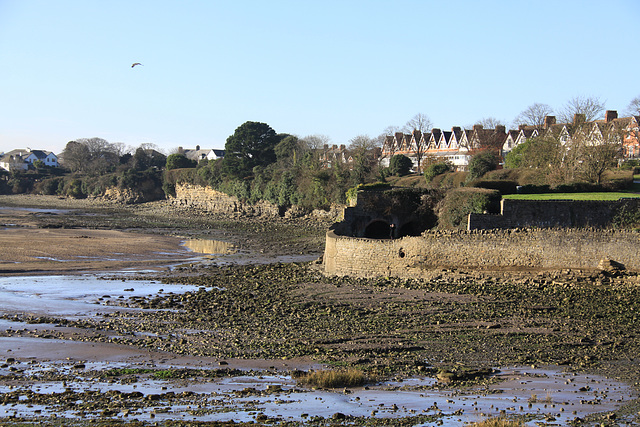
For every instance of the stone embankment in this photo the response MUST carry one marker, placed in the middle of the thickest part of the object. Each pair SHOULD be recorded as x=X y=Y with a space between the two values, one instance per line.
x=209 y=200
x=496 y=249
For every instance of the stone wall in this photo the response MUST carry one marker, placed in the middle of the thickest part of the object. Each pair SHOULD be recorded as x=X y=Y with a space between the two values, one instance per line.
x=207 y=199
x=552 y=213
x=498 y=249
x=210 y=200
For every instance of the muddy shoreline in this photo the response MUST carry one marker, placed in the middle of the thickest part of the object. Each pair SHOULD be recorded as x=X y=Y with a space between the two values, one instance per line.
x=284 y=317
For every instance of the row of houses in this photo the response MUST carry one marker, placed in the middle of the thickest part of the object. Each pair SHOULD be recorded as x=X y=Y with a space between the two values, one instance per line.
x=459 y=145
x=22 y=160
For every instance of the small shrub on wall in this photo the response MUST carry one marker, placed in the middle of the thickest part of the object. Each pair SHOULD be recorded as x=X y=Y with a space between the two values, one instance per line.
x=460 y=202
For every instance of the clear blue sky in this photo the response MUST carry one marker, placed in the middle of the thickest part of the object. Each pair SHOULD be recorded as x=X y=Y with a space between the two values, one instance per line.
x=338 y=68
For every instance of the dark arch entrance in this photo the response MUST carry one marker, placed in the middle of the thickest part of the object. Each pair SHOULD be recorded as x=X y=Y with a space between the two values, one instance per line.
x=408 y=229
x=377 y=230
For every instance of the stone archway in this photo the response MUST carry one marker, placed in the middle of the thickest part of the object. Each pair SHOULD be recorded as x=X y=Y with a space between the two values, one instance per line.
x=377 y=229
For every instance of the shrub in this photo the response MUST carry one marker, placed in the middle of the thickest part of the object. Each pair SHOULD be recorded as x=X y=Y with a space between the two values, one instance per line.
x=436 y=169
x=460 y=202
x=482 y=163
x=449 y=180
x=400 y=165
x=179 y=161
x=73 y=189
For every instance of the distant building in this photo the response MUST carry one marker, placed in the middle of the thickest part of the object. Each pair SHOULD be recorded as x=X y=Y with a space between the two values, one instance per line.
x=459 y=145
x=16 y=160
x=200 y=154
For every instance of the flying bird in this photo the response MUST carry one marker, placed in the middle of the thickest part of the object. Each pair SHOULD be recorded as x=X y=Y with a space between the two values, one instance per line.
x=135 y=63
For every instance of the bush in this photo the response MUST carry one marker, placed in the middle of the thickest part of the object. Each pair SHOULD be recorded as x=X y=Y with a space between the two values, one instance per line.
x=400 y=165
x=179 y=161
x=449 y=180
x=73 y=189
x=482 y=163
x=460 y=202
x=504 y=187
x=436 y=169
x=49 y=186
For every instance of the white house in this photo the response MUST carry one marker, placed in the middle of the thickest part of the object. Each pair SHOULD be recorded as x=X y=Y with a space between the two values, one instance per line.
x=19 y=159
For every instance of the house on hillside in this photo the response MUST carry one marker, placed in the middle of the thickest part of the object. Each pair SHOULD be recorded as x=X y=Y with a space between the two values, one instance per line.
x=22 y=160
x=200 y=154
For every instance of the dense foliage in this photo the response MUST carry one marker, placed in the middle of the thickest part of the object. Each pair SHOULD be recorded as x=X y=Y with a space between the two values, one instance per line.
x=460 y=202
x=400 y=165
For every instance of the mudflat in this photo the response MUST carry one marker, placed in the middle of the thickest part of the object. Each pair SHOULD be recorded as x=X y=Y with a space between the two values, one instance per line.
x=453 y=324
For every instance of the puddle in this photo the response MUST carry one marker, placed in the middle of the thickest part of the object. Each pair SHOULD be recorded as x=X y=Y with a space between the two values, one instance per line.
x=75 y=296
x=210 y=247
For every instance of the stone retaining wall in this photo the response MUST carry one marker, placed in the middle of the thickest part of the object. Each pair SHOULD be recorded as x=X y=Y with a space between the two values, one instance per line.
x=552 y=213
x=207 y=199
x=536 y=249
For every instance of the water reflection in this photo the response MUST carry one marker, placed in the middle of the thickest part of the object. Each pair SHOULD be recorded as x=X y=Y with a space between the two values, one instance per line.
x=210 y=247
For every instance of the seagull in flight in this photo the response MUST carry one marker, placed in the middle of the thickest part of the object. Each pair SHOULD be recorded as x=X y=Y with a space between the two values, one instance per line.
x=135 y=63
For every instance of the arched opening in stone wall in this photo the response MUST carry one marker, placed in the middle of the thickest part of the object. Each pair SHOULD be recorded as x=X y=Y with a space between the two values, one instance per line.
x=377 y=230
x=408 y=229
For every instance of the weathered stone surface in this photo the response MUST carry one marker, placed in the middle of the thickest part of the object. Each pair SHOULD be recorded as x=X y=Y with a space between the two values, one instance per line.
x=607 y=264
x=496 y=249
x=210 y=200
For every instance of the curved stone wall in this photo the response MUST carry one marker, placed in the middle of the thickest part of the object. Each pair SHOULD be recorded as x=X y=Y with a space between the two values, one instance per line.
x=497 y=249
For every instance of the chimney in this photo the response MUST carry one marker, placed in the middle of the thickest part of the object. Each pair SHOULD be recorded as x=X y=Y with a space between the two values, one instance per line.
x=522 y=127
x=334 y=147
x=501 y=129
x=456 y=129
x=579 y=119
x=610 y=115
x=477 y=127
x=549 y=121
x=342 y=147
x=326 y=147
x=197 y=148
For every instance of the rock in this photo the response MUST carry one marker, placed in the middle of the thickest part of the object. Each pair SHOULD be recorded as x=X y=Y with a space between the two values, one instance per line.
x=607 y=264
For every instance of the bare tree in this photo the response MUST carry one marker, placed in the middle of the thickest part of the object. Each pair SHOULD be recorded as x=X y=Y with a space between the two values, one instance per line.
x=490 y=122
x=533 y=115
x=420 y=122
x=362 y=142
x=633 y=109
x=92 y=155
x=589 y=106
x=315 y=142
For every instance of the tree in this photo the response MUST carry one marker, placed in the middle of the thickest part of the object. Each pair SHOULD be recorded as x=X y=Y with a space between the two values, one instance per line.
x=252 y=144
x=362 y=142
x=596 y=155
x=288 y=150
x=420 y=122
x=489 y=122
x=633 y=109
x=91 y=155
x=533 y=115
x=590 y=107
x=147 y=156
x=482 y=163
x=400 y=165
x=179 y=161
x=315 y=142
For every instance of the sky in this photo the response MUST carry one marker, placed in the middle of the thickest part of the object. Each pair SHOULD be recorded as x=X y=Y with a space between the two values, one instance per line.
x=336 y=68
